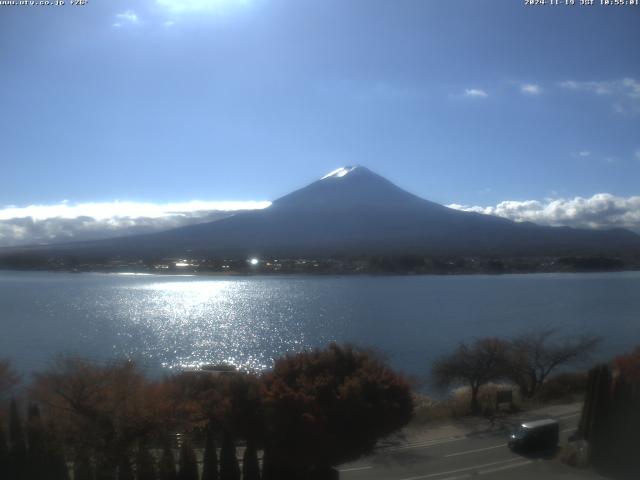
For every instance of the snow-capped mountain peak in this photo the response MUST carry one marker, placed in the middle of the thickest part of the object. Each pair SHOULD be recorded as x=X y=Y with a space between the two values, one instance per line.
x=339 y=172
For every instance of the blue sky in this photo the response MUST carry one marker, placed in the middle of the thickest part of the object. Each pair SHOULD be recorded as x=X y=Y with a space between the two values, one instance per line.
x=471 y=103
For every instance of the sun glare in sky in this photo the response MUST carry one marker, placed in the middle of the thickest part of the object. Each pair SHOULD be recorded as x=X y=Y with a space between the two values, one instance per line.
x=180 y=6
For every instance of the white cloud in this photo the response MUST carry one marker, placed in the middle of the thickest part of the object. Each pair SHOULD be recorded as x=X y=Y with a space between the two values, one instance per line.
x=475 y=93
x=624 y=92
x=637 y=154
x=128 y=17
x=530 y=89
x=584 y=153
x=602 y=210
x=65 y=222
x=181 y=6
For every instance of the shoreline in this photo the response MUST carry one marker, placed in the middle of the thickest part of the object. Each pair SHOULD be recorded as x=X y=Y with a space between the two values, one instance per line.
x=129 y=272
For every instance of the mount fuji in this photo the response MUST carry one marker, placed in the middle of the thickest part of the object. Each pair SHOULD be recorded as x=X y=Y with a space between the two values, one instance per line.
x=353 y=210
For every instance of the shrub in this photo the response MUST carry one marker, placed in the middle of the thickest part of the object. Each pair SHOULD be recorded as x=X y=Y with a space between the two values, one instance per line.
x=326 y=407
x=563 y=386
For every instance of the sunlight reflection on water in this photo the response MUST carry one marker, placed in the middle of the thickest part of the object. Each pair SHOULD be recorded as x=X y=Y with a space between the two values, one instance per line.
x=188 y=324
x=248 y=321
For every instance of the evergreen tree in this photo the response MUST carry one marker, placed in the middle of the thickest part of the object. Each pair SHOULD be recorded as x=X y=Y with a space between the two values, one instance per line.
x=59 y=470
x=210 y=460
x=229 y=468
x=188 y=462
x=274 y=470
x=611 y=417
x=145 y=465
x=167 y=466
x=18 y=448
x=269 y=470
x=250 y=465
x=36 y=440
x=104 y=468
x=82 y=469
x=124 y=468
x=600 y=411
x=4 y=454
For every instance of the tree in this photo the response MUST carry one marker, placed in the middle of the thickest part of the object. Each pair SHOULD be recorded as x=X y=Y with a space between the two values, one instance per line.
x=188 y=462
x=105 y=408
x=250 y=465
x=8 y=378
x=36 y=439
x=269 y=467
x=125 y=472
x=629 y=366
x=229 y=469
x=145 y=465
x=167 y=465
x=240 y=411
x=82 y=469
x=216 y=400
x=534 y=355
x=611 y=418
x=326 y=407
x=58 y=468
x=194 y=400
x=598 y=406
x=474 y=365
x=4 y=455
x=18 y=447
x=210 y=459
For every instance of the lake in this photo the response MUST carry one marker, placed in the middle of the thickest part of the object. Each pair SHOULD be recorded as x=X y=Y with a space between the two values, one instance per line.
x=172 y=321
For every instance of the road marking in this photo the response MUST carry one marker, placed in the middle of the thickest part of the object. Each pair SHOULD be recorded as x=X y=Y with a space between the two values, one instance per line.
x=505 y=467
x=466 y=469
x=431 y=443
x=355 y=469
x=457 y=477
x=466 y=452
x=570 y=415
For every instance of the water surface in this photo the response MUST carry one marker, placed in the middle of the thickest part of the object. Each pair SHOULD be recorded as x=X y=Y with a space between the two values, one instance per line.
x=169 y=321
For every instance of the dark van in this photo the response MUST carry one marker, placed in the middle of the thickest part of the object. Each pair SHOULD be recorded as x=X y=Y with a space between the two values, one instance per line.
x=535 y=435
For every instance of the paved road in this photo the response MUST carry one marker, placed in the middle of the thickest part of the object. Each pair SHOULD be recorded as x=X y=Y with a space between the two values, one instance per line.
x=464 y=455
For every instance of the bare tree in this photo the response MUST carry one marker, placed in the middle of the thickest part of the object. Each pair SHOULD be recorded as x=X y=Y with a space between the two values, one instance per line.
x=474 y=365
x=534 y=355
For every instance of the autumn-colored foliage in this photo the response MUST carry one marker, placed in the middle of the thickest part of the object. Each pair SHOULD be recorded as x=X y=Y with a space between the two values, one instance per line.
x=611 y=418
x=629 y=366
x=105 y=409
x=312 y=411
x=326 y=407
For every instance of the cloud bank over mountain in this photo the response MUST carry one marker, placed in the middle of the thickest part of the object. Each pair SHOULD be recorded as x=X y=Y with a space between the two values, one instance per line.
x=63 y=222
x=601 y=211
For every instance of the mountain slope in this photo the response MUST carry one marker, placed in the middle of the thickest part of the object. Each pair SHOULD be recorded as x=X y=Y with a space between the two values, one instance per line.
x=355 y=211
